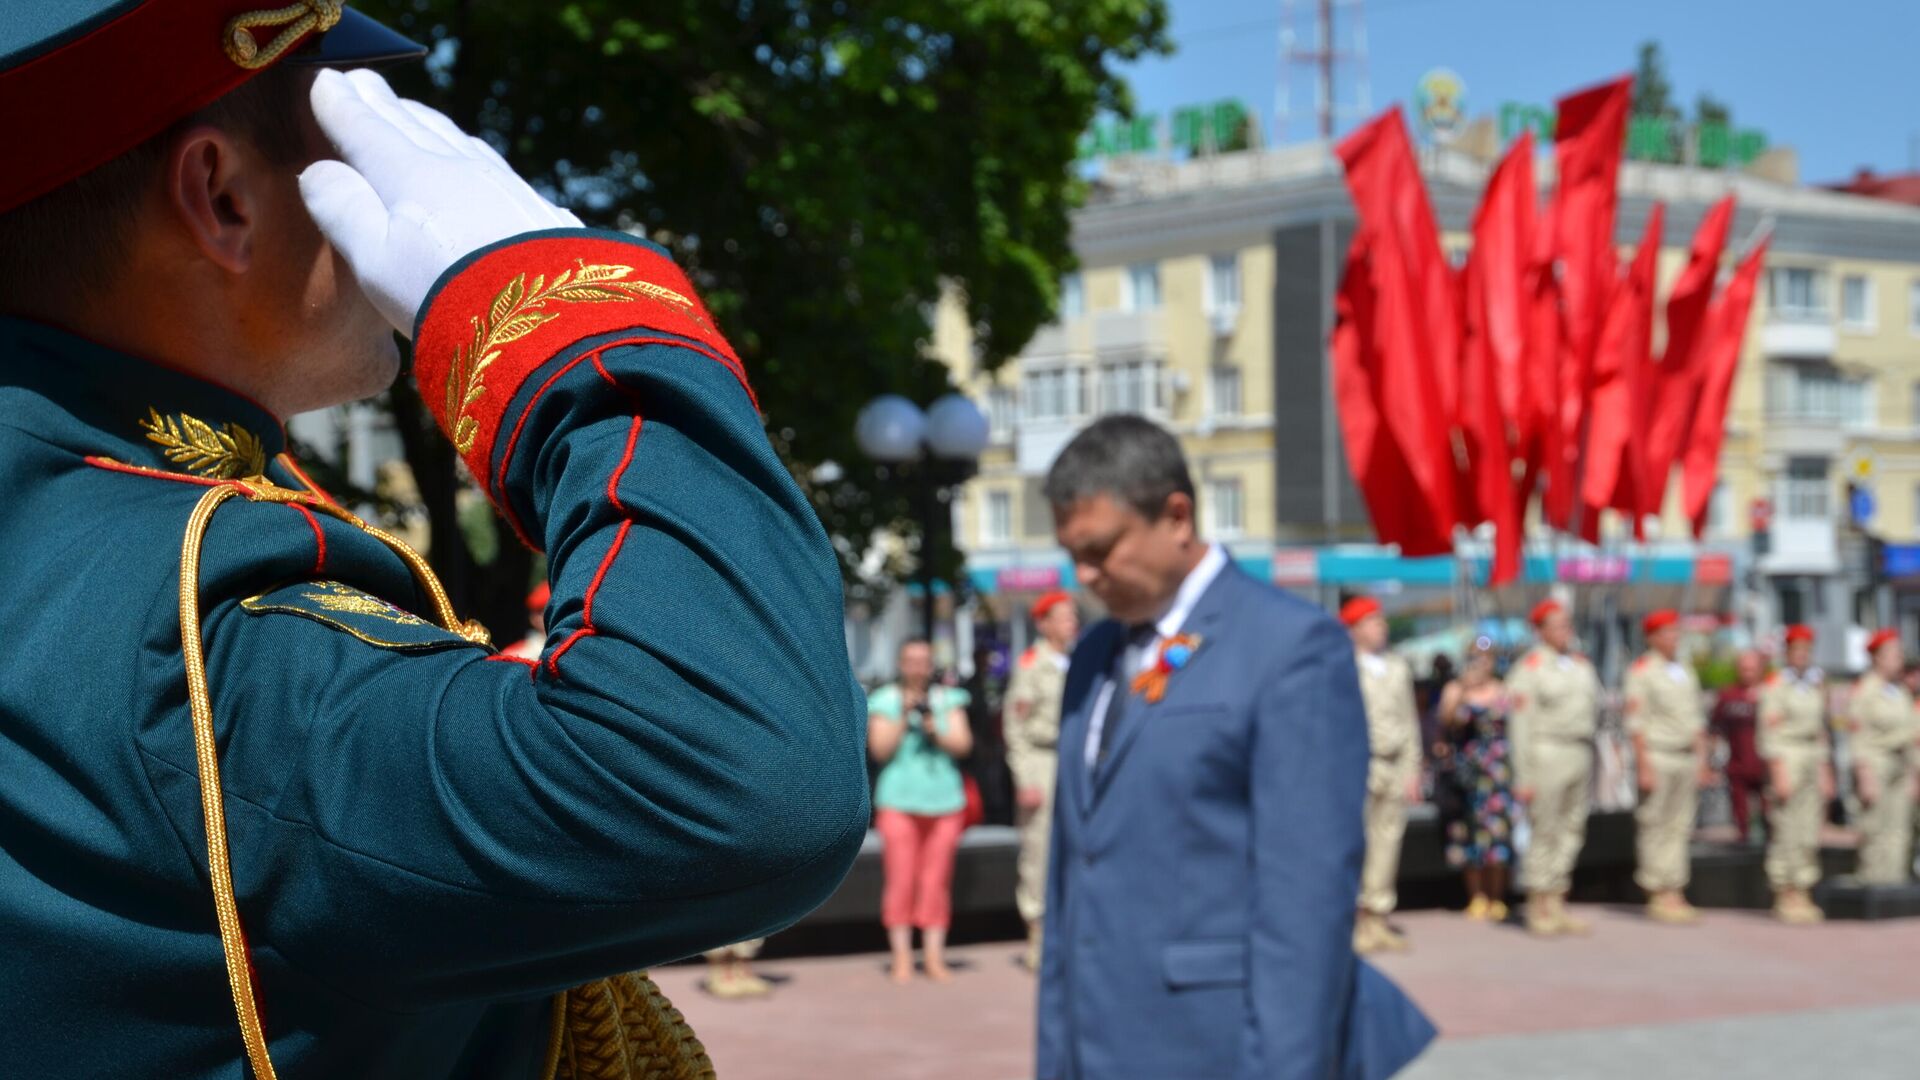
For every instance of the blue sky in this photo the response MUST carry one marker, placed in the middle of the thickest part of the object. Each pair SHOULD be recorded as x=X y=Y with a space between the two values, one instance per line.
x=1838 y=80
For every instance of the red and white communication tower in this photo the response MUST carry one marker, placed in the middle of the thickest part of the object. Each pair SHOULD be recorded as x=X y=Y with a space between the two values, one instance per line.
x=1323 y=68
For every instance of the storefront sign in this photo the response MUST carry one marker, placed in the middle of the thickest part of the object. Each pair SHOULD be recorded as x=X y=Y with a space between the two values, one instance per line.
x=1713 y=570
x=1296 y=567
x=1027 y=578
x=1651 y=138
x=1901 y=560
x=1596 y=569
x=1195 y=129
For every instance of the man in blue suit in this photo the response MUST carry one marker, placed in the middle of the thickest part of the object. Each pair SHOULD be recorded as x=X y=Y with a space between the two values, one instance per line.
x=1207 y=828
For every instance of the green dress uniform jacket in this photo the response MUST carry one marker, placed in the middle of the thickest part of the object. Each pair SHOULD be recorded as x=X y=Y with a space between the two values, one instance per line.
x=428 y=841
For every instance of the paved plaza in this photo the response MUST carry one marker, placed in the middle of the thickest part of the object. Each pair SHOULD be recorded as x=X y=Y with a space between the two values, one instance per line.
x=1738 y=996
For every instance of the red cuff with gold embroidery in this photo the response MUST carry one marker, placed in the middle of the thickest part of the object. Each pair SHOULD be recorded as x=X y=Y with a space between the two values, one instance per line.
x=503 y=312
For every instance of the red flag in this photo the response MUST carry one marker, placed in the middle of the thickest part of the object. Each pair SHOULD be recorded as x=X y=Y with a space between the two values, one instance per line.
x=1538 y=418
x=1394 y=501
x=1676 y=389
x=1590 y=137
x=1721 y=351
x=1413 y=329
x=1622 y=371
x=1494 y=329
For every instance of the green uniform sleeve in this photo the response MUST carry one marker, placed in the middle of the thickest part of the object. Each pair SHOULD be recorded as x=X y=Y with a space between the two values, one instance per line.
x=683 y=768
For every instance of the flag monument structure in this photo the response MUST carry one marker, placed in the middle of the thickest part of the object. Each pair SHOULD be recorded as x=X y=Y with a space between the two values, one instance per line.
x=1531 y=370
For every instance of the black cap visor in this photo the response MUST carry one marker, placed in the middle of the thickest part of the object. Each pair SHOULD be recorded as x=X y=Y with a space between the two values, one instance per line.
x=356 y=41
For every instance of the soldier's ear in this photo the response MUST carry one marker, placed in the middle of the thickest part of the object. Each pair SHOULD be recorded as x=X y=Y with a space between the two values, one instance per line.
x=213 y=194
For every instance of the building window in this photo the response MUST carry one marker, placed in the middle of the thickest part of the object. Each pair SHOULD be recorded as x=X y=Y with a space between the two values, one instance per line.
x=1797 y=294
x=1142 y=287
x=1913 y=305
x=1916 y=509
x=998 y=528
x=1223 y=391
x=1073 y=297
x=1055 y=393
x=1225 y=513
x=1132 y=386
x=1818 y=394
x=1856 y=302
x=1804 y=491
x=1002 y=411
x=1223 y=284
x=1719 y=510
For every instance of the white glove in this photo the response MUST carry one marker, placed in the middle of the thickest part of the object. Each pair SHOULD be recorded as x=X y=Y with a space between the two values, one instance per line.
x=412 y=194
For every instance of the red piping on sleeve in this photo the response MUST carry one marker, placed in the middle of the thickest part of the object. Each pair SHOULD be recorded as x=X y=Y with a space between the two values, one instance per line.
x=496 y=484
x=586 y=616
x=319 y=539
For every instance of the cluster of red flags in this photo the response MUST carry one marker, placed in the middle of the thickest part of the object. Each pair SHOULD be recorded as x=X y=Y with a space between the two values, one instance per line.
x=1532 y=367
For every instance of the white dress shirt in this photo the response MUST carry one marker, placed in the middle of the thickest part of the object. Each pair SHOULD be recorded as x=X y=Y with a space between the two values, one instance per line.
x=1165 y=626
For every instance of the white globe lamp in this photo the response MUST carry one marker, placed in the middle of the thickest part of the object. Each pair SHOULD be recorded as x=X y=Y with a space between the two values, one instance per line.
x=890 y=428
x=956 y=428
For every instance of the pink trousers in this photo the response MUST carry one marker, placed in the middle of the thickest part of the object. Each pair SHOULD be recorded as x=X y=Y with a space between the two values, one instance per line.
x=916 y=860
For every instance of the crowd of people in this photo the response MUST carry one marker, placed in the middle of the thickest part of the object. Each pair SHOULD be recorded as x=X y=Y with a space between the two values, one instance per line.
x=1505 y=745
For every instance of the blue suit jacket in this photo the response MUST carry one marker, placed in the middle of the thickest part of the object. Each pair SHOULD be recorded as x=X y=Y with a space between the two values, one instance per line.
x=1201 y=885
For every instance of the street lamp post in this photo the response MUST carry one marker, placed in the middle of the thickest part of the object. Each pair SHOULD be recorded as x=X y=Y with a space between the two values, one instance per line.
x=939 y=449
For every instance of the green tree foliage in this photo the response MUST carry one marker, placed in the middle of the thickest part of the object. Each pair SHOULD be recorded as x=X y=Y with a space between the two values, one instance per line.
x=1652 y=90
x=821 y=167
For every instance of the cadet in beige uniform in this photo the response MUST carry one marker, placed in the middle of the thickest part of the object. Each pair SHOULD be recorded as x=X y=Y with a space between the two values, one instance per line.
x=1556 y=700
x=1033 y=731
x=1881 y=716
x=1393 y=772
x=1668 y=725
x=1792 y=740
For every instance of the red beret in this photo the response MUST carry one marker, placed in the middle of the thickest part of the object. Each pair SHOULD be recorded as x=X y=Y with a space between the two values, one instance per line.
x=1799 y=632
x=537 y=599
x=1541 y=610
x=1659 y=620
x=1048 y=603
x=1881 y=637
x=1358 y=608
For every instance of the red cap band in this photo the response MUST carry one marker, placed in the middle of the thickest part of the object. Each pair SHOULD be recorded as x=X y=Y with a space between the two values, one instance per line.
x=1542 y=610
x=1358 y=608
x=1659 y=620
x=1048 y=603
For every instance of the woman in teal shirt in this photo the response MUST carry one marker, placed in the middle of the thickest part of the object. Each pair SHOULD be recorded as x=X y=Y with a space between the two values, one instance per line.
x=915 y=731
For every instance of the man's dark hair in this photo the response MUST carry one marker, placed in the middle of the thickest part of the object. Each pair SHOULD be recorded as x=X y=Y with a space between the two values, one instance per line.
x=915 y=640
x=1129 y=458
x=68 y=241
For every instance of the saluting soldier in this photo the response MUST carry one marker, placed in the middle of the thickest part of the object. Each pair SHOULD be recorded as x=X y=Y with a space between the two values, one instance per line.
x=1556 y=701
x=1393 y=771
x=267 y=798
x=1884 y=724
x=1033 y=738
x=1667 y=721
x=1793 y=742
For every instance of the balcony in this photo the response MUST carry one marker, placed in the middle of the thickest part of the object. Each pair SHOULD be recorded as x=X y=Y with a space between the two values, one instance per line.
x=1802 y=545
x=1129 y=331
x=1798 y=334
x=1038 y=442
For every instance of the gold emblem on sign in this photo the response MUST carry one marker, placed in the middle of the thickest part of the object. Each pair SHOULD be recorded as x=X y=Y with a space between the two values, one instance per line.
x=520 y=309
x=293 y=21
x=227 y=454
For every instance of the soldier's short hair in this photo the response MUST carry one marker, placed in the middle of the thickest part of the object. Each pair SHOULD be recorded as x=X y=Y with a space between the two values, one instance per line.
x=68 y=242
x=1129 y=458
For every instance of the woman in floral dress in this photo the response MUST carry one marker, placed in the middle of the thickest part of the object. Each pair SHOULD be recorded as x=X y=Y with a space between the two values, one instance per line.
x=1473 y=714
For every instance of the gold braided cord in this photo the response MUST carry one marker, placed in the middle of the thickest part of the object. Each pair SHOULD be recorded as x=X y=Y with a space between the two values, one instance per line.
x=233 y=941
x=621 y=1028
x=293 y=22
